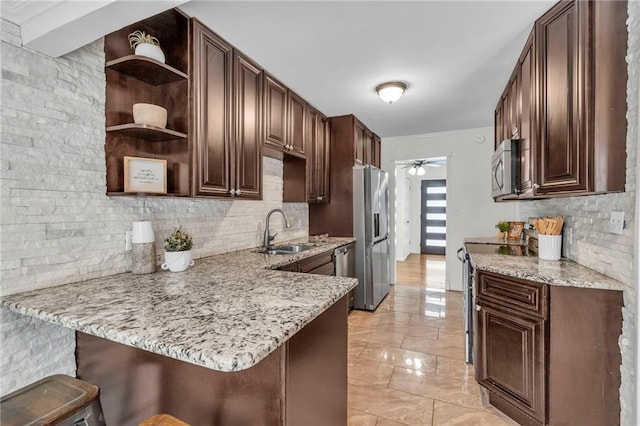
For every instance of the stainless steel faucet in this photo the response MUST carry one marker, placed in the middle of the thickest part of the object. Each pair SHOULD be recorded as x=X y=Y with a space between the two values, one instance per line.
x=267 y=236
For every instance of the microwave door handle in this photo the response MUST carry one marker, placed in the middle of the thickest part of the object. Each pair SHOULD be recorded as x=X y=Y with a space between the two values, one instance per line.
x=499 y=167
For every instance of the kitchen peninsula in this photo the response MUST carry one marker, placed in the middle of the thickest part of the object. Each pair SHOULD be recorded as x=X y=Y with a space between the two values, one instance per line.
x=229 y=341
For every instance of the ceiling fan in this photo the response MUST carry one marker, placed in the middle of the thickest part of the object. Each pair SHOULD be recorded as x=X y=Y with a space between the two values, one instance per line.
x=417 y=166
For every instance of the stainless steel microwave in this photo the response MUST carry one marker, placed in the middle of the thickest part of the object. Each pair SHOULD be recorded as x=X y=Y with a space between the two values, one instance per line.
x=505 y=169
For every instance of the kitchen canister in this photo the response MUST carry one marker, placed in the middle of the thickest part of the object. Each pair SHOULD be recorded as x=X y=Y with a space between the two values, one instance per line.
x=143 y=253
x=549 y=247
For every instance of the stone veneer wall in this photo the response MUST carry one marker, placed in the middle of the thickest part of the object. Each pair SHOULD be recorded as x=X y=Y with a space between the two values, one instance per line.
x=56 y=223
x=587 y=221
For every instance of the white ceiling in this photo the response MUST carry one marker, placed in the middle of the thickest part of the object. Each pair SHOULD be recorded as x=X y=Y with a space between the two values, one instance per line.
x=455 y=56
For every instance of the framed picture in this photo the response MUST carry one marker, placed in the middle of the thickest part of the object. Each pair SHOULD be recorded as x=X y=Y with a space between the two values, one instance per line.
x=145 y=175
x=516 y=230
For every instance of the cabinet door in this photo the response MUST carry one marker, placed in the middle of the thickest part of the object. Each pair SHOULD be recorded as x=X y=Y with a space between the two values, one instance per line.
x=212 y=111
x=248 y=130
x=512 y=361
x=275 y=113
x=514 y=97
x=359 y=142
x=527 y=118
x=368 y=146
x=560 y=42
x=317 y=157
x=296 y=122
x=506 y=115
x=498 y=125
x=377 y=145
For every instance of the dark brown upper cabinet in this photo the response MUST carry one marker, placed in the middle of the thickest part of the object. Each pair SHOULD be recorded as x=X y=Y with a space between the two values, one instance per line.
x=358 y=146
x=296 y=123
x=377 y=148
x=248 y=132
x=367 y=146
x=318 y=154
x=526 y=117
x=568 y=103
x=227 y=107
x=563 y=72
x=132 y=79
x=275 y=116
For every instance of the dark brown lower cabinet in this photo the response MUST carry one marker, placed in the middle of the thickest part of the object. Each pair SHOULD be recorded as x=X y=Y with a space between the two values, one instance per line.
x=320 y=264
x=302 y=382
x=513 y=363
x=548 y=354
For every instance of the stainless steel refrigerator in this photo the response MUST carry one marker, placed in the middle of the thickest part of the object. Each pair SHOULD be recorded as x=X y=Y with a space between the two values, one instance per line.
x=371 y=230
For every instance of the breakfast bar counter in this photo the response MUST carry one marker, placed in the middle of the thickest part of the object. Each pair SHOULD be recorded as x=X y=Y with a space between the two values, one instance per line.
x=226 y=314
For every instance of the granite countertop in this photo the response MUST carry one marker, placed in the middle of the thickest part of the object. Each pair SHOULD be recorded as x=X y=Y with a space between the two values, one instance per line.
x=563 y=272
x=226 y=312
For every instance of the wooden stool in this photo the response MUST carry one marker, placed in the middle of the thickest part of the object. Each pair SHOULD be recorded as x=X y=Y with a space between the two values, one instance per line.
x=163 y=420
x=53 y=400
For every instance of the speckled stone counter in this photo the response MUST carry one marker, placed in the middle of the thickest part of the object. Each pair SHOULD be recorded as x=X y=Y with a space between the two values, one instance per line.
x=226 y=312
x=563 y=272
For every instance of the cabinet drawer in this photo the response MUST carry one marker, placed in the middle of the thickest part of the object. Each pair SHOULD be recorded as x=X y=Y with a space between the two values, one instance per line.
x=521 y=295
x=326 y=269
x=307 y=265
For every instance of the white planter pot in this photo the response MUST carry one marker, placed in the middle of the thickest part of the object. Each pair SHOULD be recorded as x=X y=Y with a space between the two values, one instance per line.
x=150 y=51
x=177 y=261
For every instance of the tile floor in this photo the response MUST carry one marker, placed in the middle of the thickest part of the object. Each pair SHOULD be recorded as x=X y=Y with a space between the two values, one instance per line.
x=406 y=359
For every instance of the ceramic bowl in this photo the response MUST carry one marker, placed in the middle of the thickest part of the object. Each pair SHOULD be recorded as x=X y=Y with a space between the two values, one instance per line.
x=152 y=115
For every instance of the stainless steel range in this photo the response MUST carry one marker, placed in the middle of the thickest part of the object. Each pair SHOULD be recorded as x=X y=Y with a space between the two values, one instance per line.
x=512 y=249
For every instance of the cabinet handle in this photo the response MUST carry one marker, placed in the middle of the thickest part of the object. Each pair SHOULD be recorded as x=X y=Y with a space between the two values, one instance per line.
x=232 y=191
x=478 y=308
x=238 y=192
x=320 y=198
x=536 y=186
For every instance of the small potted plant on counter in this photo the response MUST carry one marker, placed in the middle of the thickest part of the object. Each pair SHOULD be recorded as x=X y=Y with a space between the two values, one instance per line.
x=503 y=226
x=177 y=251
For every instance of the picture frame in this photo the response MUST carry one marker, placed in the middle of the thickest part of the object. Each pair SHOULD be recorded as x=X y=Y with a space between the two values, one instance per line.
x=516 y=230
x=145 y=175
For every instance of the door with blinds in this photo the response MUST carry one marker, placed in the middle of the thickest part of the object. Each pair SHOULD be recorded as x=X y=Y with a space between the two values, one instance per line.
x=433 y=216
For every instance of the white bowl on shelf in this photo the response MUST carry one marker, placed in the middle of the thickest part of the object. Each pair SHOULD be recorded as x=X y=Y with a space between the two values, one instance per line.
x=150 y=114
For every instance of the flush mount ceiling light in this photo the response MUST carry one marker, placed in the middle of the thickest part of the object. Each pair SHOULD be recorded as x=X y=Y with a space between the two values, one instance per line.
x=391 y=91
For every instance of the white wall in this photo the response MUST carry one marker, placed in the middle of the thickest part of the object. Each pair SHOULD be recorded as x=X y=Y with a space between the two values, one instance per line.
x=403 y=198
x=471 y=211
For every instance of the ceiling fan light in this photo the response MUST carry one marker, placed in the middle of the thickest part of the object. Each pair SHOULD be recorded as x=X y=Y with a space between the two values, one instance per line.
x=412 y=171
x=391 y=91
x=421 y=171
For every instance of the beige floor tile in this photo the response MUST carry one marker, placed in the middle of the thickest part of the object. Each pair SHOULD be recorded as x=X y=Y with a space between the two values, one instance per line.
x=455 y=368
x=391 y=404
x=448 y=349
x=399 y=357
x=386 y=422
x=355 y=347
x=372 y=335
x=449 y=414
x=441 y=388
x=392 y=317
x=369 y=371
x=415 y=330
x=363 y=318
x=359 y=418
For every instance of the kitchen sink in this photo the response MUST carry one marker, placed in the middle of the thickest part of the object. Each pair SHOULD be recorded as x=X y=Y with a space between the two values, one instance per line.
x=288 y=249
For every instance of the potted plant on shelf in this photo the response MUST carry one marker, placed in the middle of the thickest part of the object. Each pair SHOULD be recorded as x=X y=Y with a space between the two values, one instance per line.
x=503 y=226
x=177 y=251
x=147 y=45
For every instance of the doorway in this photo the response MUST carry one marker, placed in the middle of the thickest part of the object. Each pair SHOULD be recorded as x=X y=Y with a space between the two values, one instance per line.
x=433 y=216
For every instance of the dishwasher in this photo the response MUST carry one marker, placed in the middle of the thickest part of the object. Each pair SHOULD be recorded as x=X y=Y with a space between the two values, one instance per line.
x=346 y=265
